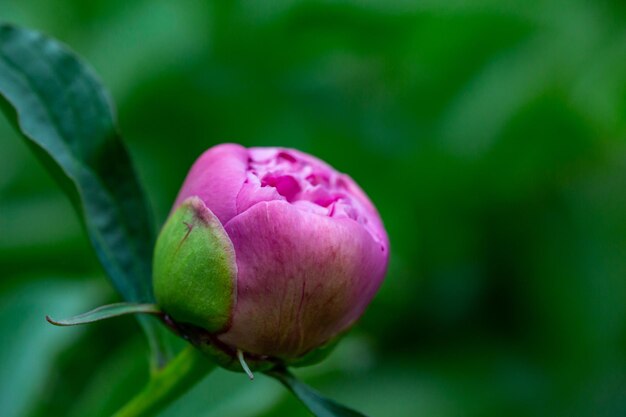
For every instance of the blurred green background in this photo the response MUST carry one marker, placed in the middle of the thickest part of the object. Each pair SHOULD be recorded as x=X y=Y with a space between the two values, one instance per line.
x=489 y=133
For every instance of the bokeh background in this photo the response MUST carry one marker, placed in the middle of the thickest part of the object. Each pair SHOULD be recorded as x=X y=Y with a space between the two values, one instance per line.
x=489 y=133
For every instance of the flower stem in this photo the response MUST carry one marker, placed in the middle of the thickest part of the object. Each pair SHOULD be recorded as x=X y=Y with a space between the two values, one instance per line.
x=168 y=384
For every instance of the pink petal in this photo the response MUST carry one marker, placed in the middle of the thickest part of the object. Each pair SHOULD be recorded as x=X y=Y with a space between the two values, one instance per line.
x=216 y=178
x=303 y=278
x=254 y=192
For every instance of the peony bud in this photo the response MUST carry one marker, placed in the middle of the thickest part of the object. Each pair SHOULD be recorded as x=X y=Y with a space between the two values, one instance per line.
x=269 y=251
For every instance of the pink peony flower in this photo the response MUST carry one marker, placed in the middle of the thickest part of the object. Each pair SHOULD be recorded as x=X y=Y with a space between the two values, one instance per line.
x=303 y=251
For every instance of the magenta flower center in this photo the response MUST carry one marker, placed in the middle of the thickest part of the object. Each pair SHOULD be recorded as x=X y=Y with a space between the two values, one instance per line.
x=306 y=183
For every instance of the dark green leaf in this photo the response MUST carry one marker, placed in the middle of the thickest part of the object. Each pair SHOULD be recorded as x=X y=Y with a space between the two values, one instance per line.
x=66 y=116
x=106 y=312
x=313 y=400
x=63 y=111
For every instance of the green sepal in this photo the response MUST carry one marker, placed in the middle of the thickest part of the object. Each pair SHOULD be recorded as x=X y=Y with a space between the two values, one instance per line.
x=222 y=354
x=195 y=273
x=106 y=312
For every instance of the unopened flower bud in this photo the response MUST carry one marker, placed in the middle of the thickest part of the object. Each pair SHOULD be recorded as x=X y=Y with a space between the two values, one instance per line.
x=270 y=251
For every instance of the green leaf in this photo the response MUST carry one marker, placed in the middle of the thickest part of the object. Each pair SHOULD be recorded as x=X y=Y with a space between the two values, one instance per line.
x=65 y=115
x=313 y=400
x=64 y=112
x=107 y=312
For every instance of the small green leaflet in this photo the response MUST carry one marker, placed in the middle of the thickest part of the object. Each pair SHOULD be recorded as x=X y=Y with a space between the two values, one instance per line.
x=107 y=312
x=62 y=111
x=317 y=404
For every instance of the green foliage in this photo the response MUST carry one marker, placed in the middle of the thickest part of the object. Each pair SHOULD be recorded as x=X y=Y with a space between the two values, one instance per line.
x=168 y=384
x=66 y=117
x=31 y=352
x=63 y=111
x=489 y=133
x=106 y=312
x=313 y=400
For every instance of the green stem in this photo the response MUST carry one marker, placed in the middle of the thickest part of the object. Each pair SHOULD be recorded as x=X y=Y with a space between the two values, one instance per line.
x=168 y=384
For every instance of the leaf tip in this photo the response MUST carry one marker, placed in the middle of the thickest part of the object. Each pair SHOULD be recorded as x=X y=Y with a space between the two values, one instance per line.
x=53 y=322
